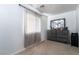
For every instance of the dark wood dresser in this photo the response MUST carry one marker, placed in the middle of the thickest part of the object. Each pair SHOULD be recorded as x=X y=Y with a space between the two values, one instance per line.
x=58 y=35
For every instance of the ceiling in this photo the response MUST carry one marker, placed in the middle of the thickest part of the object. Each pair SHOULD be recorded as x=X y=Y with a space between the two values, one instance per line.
x=54 y=8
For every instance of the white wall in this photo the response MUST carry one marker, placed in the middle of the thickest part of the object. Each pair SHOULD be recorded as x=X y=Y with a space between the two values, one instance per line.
x=43 y=28
x=77 y=12
x=11 y=29
x=70 y=20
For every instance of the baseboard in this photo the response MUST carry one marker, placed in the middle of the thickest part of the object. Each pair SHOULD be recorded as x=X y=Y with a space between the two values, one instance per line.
x=27 y=47
x=18 y=51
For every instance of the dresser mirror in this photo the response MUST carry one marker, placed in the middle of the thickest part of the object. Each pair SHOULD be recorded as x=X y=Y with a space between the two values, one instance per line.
x=57 y=23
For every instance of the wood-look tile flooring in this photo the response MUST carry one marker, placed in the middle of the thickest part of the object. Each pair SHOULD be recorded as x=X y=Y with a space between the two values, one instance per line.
x=51 y=48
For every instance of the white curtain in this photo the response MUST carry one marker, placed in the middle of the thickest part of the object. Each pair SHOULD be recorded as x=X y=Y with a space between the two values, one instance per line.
x=33 y=23
x=32 y=28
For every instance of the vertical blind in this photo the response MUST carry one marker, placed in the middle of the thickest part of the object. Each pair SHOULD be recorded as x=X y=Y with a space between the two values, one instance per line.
x=32 y=28
x=33 y=23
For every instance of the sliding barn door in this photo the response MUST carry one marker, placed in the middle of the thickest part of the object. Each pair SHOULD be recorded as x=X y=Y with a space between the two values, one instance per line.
x=32 y=29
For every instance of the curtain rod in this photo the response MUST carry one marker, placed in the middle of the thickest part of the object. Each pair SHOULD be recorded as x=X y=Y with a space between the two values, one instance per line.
x=28 y=9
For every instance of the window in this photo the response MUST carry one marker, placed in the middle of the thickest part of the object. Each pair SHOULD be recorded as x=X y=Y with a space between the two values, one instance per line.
x=33 y=23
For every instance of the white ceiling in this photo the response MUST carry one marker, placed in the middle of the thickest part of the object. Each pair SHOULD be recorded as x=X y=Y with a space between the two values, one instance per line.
x=55 y=8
